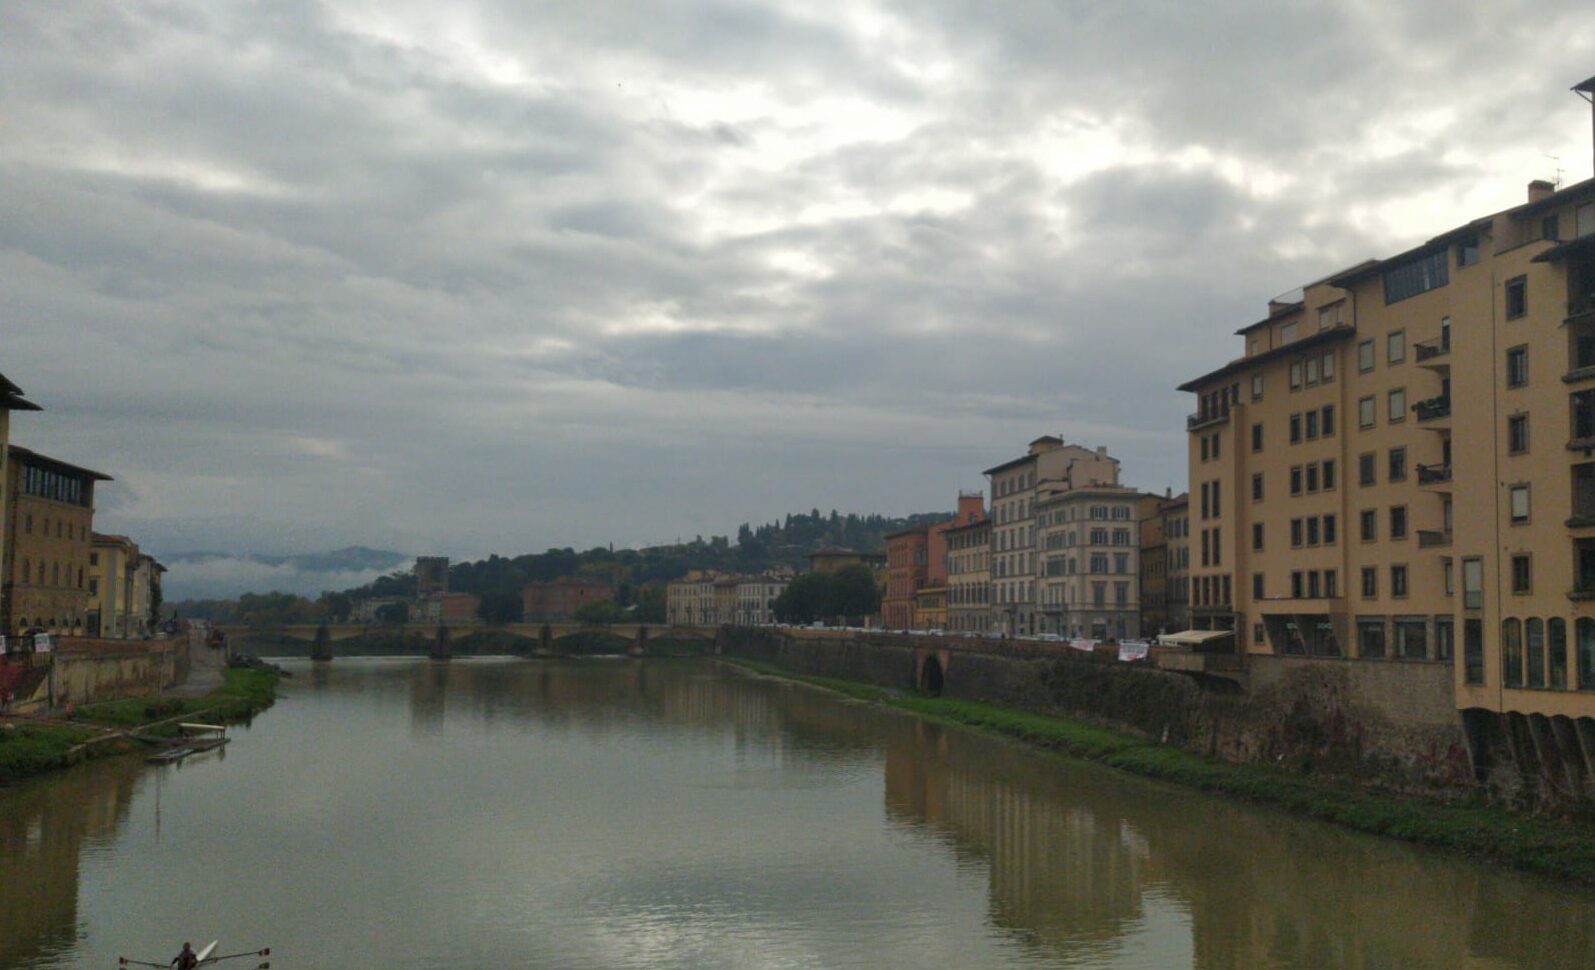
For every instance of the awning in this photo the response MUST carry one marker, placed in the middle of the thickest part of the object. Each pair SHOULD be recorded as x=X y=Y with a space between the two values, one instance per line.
x=1193 y=638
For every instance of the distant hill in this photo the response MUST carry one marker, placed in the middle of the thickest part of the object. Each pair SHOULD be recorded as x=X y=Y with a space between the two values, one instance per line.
x=347 y=560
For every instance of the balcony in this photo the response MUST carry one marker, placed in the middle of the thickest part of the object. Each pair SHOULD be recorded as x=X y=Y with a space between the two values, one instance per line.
x=1199 y=420
x=1434 y=539
x=1581 y=593
x=1432 y=352
x=1434 y=474
x=1434 y=408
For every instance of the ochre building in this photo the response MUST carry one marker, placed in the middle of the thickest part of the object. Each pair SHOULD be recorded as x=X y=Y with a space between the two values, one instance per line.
x=49 y=515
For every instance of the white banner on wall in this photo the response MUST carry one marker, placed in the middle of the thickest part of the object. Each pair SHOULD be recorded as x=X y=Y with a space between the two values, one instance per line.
x=1133 y=649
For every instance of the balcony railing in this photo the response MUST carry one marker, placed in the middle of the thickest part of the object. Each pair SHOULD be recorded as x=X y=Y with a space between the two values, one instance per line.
x=1434 y=407
x=1200 y=420
x=1434 y=474
x=1430 y=349
x=1433 y=539
x=1583 y=591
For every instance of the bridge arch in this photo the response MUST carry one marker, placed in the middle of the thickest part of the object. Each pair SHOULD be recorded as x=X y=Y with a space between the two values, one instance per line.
x=932 y=675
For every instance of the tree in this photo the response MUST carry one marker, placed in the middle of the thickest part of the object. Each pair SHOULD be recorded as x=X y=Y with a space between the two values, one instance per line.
x=600 y=613
x=393 y=613
x=856 y=594
x=807 y=598
x=499 y=606
x=650 y=604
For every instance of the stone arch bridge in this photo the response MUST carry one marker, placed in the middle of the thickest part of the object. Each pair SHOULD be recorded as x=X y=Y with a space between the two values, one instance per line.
x=442 y=642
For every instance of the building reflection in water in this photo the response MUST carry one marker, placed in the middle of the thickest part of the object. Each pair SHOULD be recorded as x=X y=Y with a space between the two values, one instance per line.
x=45 y=828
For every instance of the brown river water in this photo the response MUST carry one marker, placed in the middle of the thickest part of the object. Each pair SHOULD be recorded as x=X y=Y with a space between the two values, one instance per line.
x=487 y=813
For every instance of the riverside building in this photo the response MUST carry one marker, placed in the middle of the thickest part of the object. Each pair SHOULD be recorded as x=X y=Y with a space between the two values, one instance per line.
x=49 y=516
x=11 y=399
x=1400 y=469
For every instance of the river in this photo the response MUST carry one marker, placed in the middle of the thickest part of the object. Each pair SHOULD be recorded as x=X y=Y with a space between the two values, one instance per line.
x=401 y=814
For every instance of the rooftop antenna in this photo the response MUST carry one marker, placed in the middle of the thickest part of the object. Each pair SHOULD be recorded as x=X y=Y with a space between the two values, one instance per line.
x=1558 y=160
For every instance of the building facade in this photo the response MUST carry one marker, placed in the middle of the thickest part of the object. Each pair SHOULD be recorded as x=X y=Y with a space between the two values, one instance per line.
x=1017 y=487
x=690 y=600
x=907 y=564
x=1090 y=573
x=1329 y=464
x=113 y=560
x=756 y=596
x=49 y=517
x=431 y=576
x=559 y=599
x=969 y=577
x=1154 y=572
x=11 y=399
x=1176 y=526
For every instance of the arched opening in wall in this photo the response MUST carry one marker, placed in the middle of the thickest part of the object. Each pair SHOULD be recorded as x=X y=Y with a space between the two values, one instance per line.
x=930 y=676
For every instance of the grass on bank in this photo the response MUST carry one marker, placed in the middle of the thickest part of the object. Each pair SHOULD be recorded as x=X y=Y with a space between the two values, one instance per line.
x=1553 y=848
x=32 y=749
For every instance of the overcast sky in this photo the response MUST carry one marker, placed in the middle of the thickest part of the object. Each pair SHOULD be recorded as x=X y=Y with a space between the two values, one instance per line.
x=488 y=276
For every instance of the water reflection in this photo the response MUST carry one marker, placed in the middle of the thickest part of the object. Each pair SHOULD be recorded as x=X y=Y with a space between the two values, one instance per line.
x=657 y=813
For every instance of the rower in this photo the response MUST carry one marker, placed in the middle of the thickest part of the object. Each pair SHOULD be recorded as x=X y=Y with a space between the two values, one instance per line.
x=187 y=959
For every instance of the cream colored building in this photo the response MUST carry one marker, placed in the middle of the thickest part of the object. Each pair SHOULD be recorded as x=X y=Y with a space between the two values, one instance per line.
x=690 y=600
x=113 y=560
x=1401 y=466
x=969 y=578
x=1090 y=563
x=1017 y=486
x=756 y=597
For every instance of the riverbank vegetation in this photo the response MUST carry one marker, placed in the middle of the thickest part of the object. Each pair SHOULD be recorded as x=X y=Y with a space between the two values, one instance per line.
x=32 y=748
x=1550 y=847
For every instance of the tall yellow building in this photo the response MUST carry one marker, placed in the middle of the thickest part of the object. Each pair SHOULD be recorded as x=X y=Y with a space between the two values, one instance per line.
x=1400 y=469
x=49 y=514
x=11 y=399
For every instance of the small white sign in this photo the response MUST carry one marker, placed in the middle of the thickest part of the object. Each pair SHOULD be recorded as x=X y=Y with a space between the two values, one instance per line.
x=1086 y=646
x=41 y=643
x=1133 y=649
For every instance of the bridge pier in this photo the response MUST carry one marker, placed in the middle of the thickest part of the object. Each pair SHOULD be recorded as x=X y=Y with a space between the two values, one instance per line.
x=545 y=639
x=321 y=648
x=442 y=645
x=639 y=644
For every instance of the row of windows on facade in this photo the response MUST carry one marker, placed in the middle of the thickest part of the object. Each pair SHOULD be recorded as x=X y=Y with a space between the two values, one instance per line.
x=1097 y=565
x=1016 y=565
x=1097 y=513
x=1063 y=595
x=68 y=621
x=1094 y=537
x=1211 y=590
x=43 y=483
x=56 y=569
x=968 y=594
x=1016 y=592
x=63 y=529
x=1014 y=483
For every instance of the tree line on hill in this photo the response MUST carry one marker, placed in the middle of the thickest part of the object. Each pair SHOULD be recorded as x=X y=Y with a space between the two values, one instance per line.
x=636 y=574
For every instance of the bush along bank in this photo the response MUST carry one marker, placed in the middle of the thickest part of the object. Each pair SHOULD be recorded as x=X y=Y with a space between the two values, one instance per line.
x=1559 y=849
x=99 y=730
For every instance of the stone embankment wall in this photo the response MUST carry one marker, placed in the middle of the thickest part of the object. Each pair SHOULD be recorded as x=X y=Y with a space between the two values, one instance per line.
x=1392 y=724
x=87 y=671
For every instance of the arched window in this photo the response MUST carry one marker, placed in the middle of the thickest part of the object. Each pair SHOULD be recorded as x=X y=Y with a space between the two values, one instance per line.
x=1534 y=638
x=1512 y=652
x=1584 y=631
x=1556 y=651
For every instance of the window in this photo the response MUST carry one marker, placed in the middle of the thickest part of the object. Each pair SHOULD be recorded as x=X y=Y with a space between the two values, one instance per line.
x=1365 y=413
x=1468 y=251
x=1398 y=464
x=1534 y=650
x=1295 y=375
x=1369 y=525
x=1311 y=365
x=1295 y=532
x=1257 y=586
x=1517 y=297
x=1329 y=473
x=1522 y=577
x=1257 y=537
x=1287 y=333
x=1326 y=365
x=1215 y=444
x=1444 y=637
x=1257 y=486
x=1517 y=366
x=1518 y=502
x=1556 y=652
x=1396 y=405
x=1331 y=316
x=1411 y=637
x=1329 y=420
x=1417 y=275
x=1329 y=530
x=1473 y=648
x=1398 y=521
x=1312 y=477
x=1257 y=387
x=1473 y=584
x=1312 y=424
x=1398 y=581
x=1295 y=479
x=1584 y=645
x=1367 y=468
x=1370 y=582
x=1517 y=434
x=1295 y=428
x=1512 y=652
x=1365 y=356
x=1395 y=347
x=1371 y=637
x=1331 y=583
x=1296 y=588
x=1257 y=437
x=1312 y=530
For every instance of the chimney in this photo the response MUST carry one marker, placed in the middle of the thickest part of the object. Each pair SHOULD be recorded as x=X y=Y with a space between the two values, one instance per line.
x=1541 y=189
